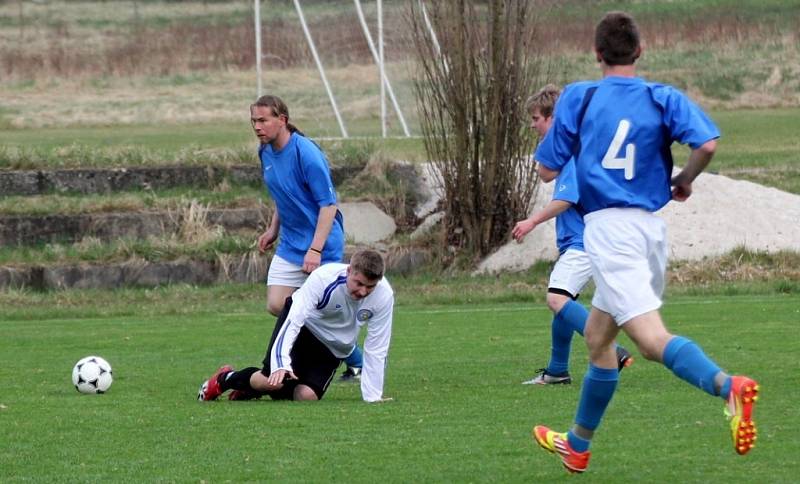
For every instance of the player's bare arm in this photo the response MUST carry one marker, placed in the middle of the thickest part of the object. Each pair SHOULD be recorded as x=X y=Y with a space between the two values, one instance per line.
x=270 y=235
x=699 y=159
x=551 y=210
x=313 y=256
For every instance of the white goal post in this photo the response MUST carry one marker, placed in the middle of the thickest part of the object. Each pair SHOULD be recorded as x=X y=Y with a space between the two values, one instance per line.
x=377 y=55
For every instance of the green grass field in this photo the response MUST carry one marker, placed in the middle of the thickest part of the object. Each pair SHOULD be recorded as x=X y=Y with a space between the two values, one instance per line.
x=461 y=345
x=459 y=412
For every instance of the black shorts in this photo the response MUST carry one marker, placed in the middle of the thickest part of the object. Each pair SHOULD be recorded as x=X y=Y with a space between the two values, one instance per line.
x=563 y=292
x=312 y=362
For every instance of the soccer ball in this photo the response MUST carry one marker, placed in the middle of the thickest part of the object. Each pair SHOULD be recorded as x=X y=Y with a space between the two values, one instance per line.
x=92 y=375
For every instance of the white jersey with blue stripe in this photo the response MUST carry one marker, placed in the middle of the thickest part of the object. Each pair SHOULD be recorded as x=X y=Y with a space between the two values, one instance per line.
x=620 y=129
x=324 y=306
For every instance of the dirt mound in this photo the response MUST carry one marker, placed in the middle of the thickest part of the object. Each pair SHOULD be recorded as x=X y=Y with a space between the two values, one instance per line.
x=721 y=214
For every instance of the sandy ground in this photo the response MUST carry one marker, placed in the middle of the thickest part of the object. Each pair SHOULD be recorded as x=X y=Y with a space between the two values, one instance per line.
x=721 y=214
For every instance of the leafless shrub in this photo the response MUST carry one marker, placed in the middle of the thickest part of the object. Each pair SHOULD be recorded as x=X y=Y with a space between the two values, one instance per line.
x=471 y=92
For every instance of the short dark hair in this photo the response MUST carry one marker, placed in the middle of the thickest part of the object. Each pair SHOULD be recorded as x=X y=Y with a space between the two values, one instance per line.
x=616 y=39
x=544 y=100
x=369 y=263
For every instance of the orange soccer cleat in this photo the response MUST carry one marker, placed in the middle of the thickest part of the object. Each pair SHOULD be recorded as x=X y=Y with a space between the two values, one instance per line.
x=741 y=400
x=557 y=443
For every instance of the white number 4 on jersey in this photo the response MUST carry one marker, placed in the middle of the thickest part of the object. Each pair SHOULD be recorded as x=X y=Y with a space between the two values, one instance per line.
x=611 y=161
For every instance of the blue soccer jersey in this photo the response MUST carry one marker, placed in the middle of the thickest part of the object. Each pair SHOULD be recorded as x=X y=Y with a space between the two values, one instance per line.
x=299 y=182
x=569 y=223
x=621 y=129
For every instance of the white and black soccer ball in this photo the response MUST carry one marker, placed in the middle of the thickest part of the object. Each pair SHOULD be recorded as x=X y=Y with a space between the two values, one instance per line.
x=92 y=375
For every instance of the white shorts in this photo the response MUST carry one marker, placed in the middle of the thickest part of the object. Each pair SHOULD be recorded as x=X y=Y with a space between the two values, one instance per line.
x=571 y=272
x=628 y=251
x=284 y=273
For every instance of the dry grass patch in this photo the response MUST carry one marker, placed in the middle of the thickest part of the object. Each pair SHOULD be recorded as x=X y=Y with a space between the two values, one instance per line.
x=739 y=265
x=201 y=98
x=193 y=226
x=251 y=264
x=383 y=183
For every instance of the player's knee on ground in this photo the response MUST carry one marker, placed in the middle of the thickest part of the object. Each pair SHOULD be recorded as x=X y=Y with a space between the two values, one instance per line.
x=275 y=307
x=302 y=392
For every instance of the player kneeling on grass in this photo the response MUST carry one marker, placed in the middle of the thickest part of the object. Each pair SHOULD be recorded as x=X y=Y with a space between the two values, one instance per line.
x=315 y=332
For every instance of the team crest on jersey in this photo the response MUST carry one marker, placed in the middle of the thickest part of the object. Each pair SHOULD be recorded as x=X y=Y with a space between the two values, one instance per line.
x=364 y=314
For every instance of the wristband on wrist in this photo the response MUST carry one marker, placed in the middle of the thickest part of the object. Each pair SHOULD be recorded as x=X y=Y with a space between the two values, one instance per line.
x=315 y=250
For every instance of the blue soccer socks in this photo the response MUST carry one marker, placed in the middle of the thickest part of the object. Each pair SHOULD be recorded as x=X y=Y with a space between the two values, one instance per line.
x=689 y=363
x=571 y=317
x=575 y=316
x=578 y=444
x=599 y=385
x=356 y=358
x=725 y=390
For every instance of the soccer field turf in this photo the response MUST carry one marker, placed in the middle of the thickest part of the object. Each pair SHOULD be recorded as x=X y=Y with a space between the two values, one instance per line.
x=459 y=412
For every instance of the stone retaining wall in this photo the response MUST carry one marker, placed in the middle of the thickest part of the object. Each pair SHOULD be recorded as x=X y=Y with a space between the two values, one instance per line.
x=20 y=230
x=88 y=181
x=130 y=274
x=360 y=227
x=244 y=268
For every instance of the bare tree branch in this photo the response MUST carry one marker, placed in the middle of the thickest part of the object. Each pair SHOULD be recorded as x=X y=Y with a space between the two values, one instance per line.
x=471 y=98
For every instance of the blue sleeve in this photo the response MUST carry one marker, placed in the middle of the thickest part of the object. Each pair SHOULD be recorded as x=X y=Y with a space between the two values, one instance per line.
x=566 y=187
x=317 y=173
x=555 y=150
x=687 y=123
